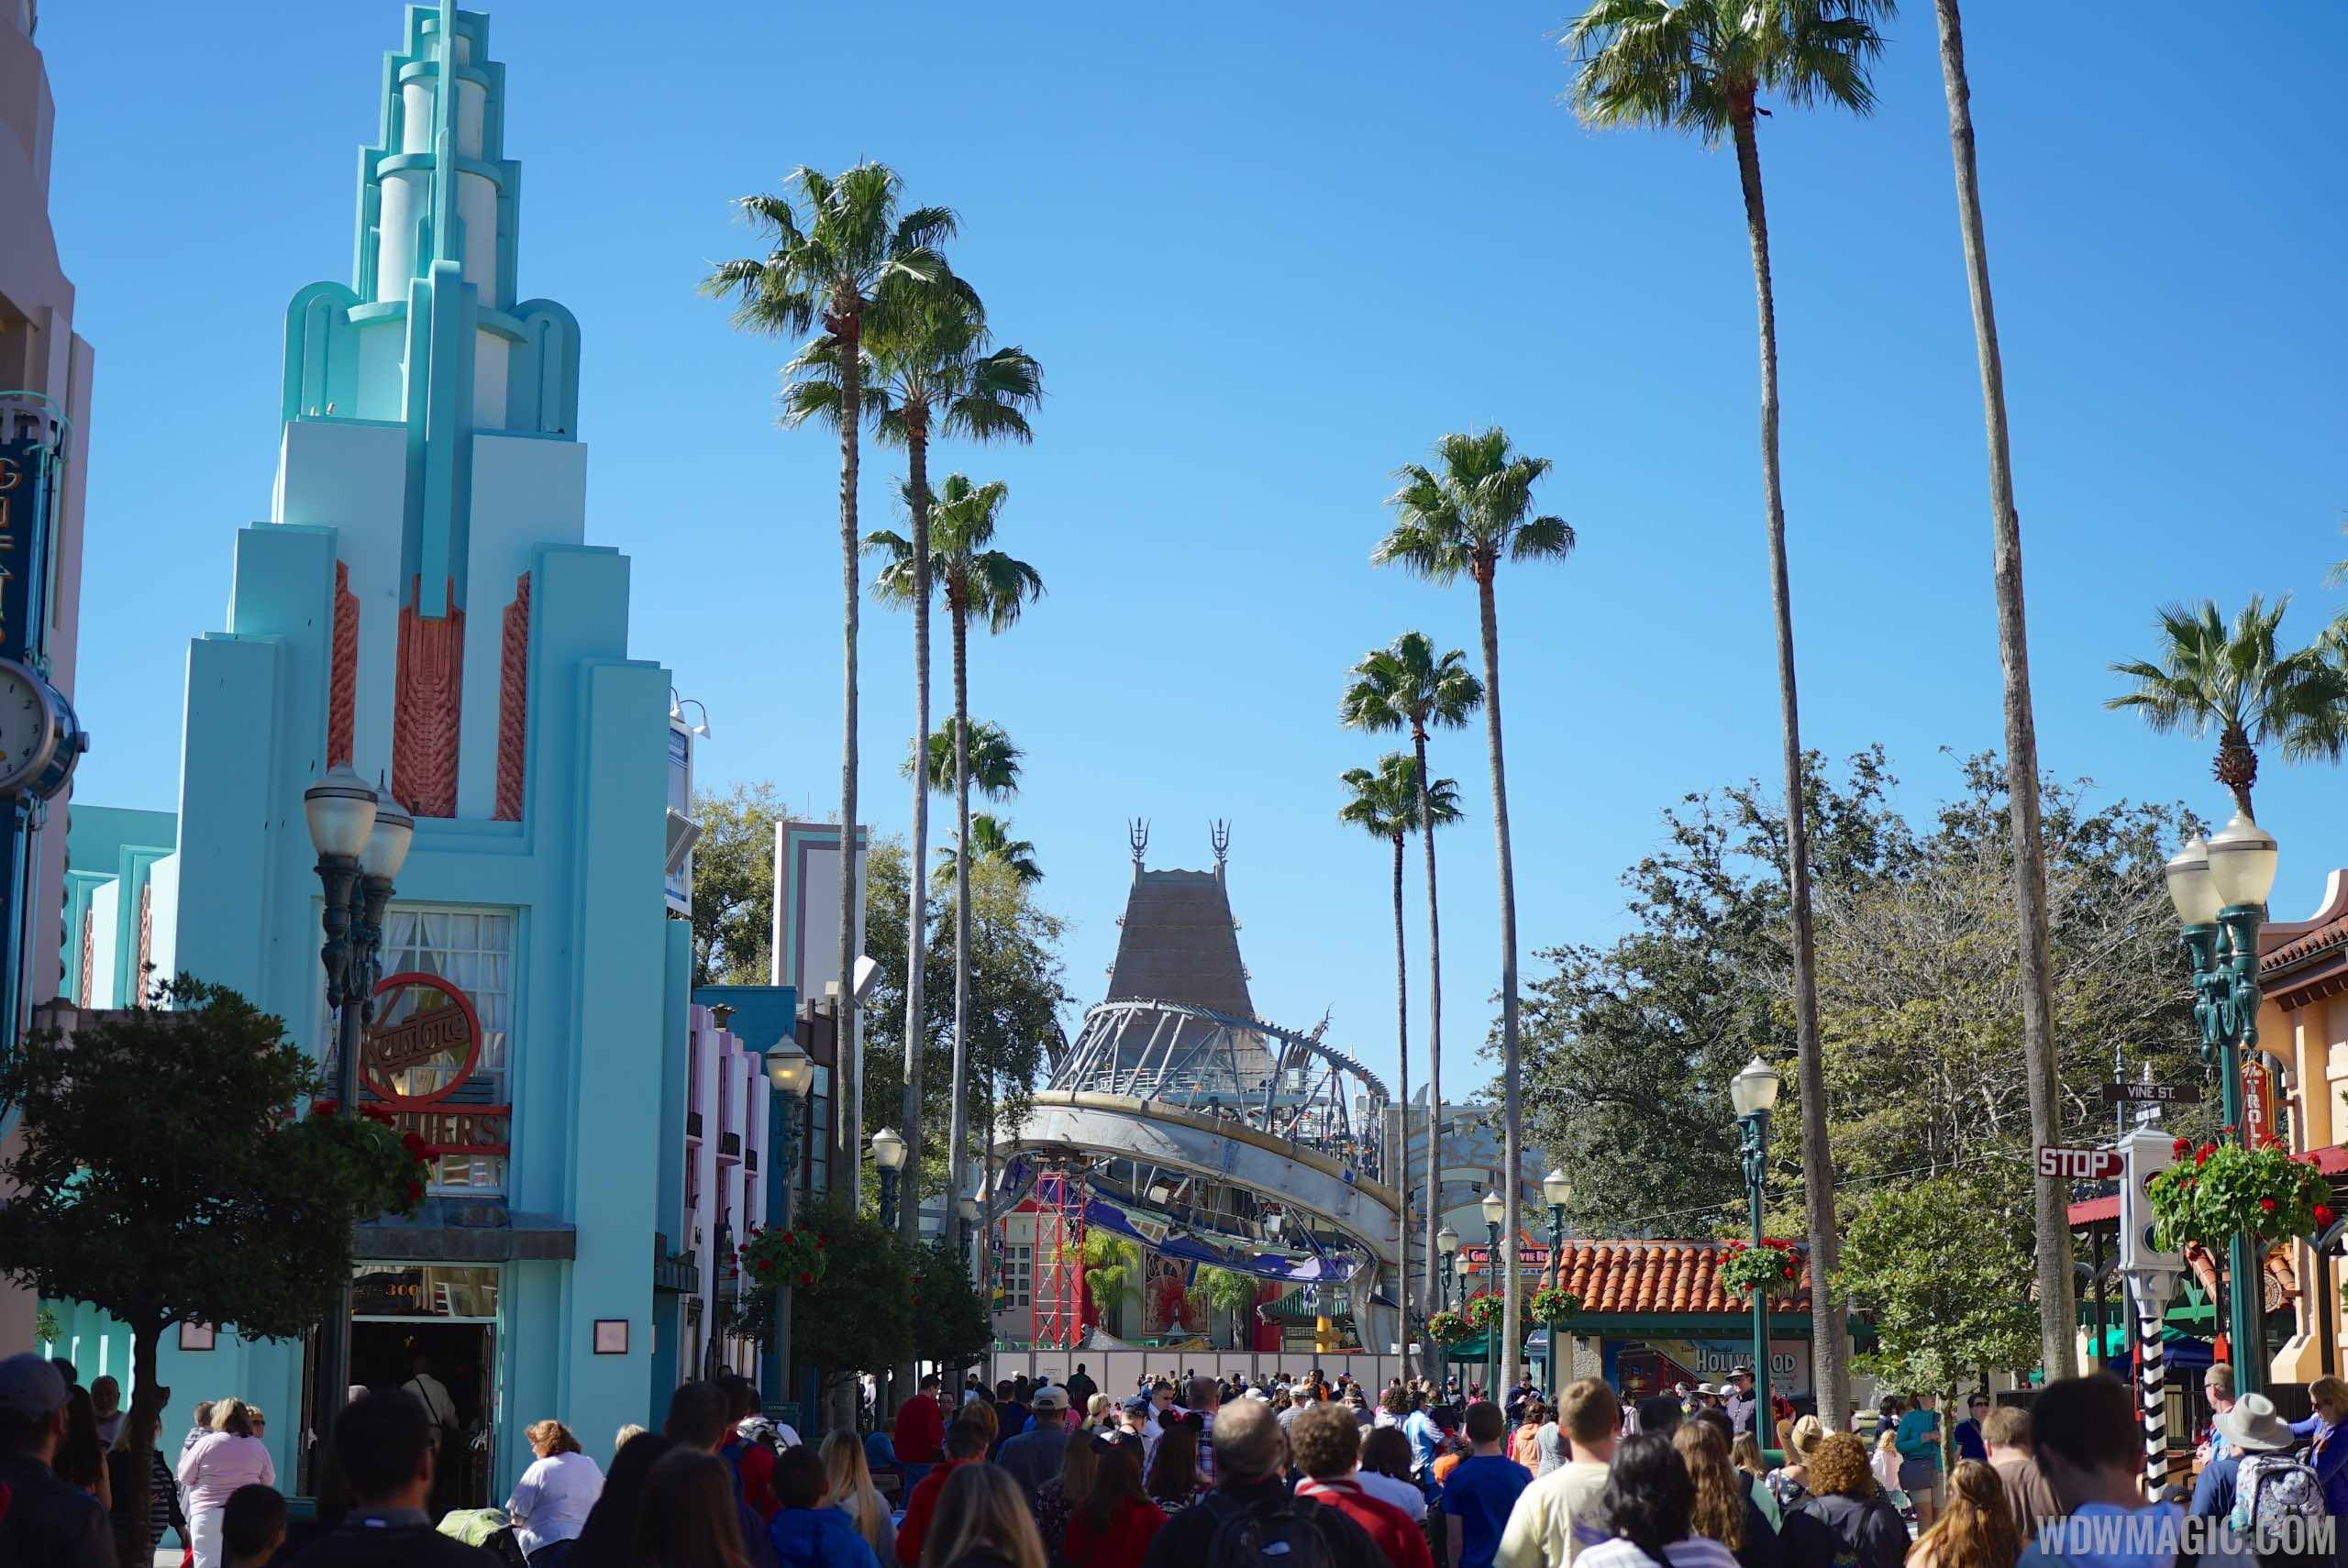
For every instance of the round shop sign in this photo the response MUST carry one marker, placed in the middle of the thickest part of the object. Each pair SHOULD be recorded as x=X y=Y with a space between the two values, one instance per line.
x=425 y=1031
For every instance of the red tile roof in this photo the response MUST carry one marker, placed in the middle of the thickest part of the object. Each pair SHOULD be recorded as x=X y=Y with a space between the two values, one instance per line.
x=2330 y=934
x=1658 y=1277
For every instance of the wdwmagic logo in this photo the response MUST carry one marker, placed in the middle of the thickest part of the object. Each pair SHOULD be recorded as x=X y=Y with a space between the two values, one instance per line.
x=2162 y=1534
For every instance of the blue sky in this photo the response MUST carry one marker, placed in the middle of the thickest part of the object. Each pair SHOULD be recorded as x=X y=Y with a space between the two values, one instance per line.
x=1267 y=253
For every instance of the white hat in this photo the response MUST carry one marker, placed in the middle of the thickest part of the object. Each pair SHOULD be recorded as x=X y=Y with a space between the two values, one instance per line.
x=2254 y=1427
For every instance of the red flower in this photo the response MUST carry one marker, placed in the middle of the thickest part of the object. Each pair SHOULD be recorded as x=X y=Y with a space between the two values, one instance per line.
x=822 y=1240
x=2267 y=1206
x=806 y=1278
x=324 y=1106
x=916 y=1300
x=1790 y=1271
x=2323 y=1215
x=2182 y=1147
x=2201 y=1155
x=414 y=1191
x=789 y=1237
x=766 y=1266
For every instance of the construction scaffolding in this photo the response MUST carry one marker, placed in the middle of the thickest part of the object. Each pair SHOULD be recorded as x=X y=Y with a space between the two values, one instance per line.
x=1057 y=1291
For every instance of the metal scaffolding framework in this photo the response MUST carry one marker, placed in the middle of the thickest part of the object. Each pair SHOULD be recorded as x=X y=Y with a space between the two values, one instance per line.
x=1057 y=1265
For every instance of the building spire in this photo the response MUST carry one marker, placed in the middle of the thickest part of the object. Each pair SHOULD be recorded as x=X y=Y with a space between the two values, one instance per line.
x=448 y=229
x=1137 y=834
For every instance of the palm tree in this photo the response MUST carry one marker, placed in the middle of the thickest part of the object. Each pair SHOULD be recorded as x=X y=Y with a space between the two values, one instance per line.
x=989 y=584
x=1110 y=1266
x=1702 y=66
x=995 y=760
x=1466 y=519
x=2058 y=1344
x=1405 y=684
x=927 y=372
x=992 y=844
x=2237 y=681
x=1228 y=1290
x=837 y=245
x=1390 y=804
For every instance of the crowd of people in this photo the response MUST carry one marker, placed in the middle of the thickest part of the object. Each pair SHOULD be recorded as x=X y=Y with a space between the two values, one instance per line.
x=1183 y=1472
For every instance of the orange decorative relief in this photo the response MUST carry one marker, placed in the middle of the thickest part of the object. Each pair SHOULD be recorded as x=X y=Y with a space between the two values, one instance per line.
x=429 y=697
x=514 y=703
x=342 y=678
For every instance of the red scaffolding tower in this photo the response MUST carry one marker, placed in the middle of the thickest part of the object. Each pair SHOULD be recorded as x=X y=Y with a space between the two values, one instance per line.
x=1056 y=1284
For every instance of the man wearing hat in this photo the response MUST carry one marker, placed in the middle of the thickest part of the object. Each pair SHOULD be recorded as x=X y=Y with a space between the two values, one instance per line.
x=2252 y=1425
x=1141 y=1420
x=1743 y=1405
x=42 y=1520
x=1033 y=1456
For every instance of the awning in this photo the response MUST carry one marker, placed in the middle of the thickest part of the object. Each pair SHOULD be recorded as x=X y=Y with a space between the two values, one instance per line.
x=2178 y=1349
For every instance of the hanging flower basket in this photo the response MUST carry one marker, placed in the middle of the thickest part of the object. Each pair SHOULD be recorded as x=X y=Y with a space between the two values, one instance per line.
x=1448 y=1327
x=793 y=1258
x=1552 y=1302
x=393 y=1165
x=1773 y=1266
x=1483 y=1310
x=2218 y=1191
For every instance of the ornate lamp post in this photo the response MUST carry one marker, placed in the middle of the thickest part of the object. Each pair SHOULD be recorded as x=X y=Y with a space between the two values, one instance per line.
x=2219 y=889
x=889 y=1154
x=790 y=1073
x=1446 y=1246
x=362 y=840
x=1559 y=1192
x=1495 y=1208
x=1754 y=1094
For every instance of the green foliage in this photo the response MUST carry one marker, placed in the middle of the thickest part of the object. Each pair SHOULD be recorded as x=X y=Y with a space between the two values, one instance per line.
x=990 y=843
x=2220 y=1191
x=1406 y=685
x=1941 y=1264
x=860 y=1314
x=734 y=885
x=793 y=1255
x=834 y=244
x=1773 y=1266
x=1448 y=1327
x=976 y=581
x=1483 y=1309
x=1552 y=1302
x=162 y=1178
x=950 y=1323
x=995 y=760
x=45 y=1325
x=1463 y=516
x=1111 y=1266
x=1699 y=65
x=1384 y=801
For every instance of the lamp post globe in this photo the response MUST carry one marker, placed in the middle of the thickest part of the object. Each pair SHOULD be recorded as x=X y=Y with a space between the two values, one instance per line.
x=2190 y=889
x=340 y=810
x=2243 y=858
x=791 y=1069
x=1755 y=1089
x=388 y=840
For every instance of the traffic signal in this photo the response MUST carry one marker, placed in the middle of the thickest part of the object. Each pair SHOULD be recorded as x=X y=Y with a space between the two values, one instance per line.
x=2148 y=1152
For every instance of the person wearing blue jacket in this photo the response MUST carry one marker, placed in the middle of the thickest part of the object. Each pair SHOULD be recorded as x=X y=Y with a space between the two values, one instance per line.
x=1918 y=1439
x=2328 y=1442
x=805 y=1535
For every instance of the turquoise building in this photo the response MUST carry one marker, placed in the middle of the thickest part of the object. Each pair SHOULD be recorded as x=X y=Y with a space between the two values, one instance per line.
x=422 y=603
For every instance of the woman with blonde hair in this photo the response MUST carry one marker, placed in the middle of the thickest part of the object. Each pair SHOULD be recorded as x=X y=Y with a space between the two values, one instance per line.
x=851 y=1491
x=551 y=1501
x=1976 y=1530
x=229 y=1457
x=1790 y=1483
x=981 y=1522
x=1724 y=1510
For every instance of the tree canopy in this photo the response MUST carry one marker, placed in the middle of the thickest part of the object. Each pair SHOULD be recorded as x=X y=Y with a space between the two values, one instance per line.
x=734 y=885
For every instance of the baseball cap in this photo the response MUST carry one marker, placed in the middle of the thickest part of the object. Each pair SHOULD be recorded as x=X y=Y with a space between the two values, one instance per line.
x=30 y=1386
x=1138 y=1403
x=1050 y=1397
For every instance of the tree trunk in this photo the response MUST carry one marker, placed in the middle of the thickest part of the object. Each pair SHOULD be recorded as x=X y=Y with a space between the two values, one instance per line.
x=848 y=1072
x=1402 y=1055
x=136 y=1542
x=2056 y=1313
x=958 y=1129
x=1433 y=1285
x=1829 y=1348
x=1504 y=1270
x=918 y=883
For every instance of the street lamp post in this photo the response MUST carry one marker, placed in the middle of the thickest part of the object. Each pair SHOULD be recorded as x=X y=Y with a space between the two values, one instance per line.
x=889 y=1155
x=1559 y=1193
x=1495 y=1208
x=965 y=1221
x=790 y=1073
x=2219 y=889
x=361 y=841
x=1753 y=1093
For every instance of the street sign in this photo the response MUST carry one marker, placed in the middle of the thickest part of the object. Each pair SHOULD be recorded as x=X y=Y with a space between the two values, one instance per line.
x=2152 y=1094
x=2078 y=1164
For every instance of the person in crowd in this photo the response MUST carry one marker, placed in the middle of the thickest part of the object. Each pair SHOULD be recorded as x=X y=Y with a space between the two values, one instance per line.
x=807 y=1531
x=201 y=1430
x=701 y=1417
x=1174 y=1480
x=982 y=1521
x=1883 y=1464
x=448 y=1427
x=2084 y=1435
x=2007 y=1436
x=81 y=1459
x=1081 y=1388
x=1661 y=1415
x=1480 y=1491
x=105 y=1405
x=1426 y=1441
x=967 y=1442
x=1249 y=1458
x=849 y=1487
x=386 y=1447
x=1394 y=1407
x=919 y=1433
x=1325 y=1444
x=1758 y=1489
x=1558 y=1517
x=1111 y=1524
x=1524 y=1443
x=1745 y=1455
x=1205 y=1397
x=1646 y=1512
x=1035 y=1455
x=684 y=1520
x=1918 y=1439
x=2327 y=1443
x=1011 y=1412
x=2218 y=1388
x=985 y=1415
x=1743 y=1407
x=1385 y=1471
x=1846 y=1519
x=1790 y=1483
x=1976 y=1530
x=46 y=1521
x=228 y=1458
x=132 y=1531
x=1972 y=1441
x=253 y=1526
x=2250 y=1428
x=1057 y=1498
x=608 y=1538
x=627 y=1430
x=1724 y=1510
x=551 y=1501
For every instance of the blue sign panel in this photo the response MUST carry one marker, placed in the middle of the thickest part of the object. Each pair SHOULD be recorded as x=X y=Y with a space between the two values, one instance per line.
x=27 y=483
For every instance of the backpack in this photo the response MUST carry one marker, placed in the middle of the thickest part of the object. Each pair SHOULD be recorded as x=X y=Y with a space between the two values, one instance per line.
x=2272 y=1487
x=1276 y=1535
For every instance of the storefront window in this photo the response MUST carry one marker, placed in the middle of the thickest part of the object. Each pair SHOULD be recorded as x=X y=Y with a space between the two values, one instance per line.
x=380 y=1290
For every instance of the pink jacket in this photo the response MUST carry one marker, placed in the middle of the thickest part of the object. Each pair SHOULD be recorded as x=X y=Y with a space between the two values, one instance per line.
x=220 y=1463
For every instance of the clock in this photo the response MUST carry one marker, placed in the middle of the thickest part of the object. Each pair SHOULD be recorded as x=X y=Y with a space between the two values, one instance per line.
x=40 y=738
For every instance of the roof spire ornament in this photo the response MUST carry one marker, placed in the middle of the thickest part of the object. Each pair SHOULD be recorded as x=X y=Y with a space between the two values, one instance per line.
x=1219 y=835
x=1137 y=834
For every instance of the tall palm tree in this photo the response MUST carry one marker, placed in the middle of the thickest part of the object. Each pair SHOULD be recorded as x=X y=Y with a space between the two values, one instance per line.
x=1464 y=516
x=928 y=371
x=1703 y=66
x=1407 y=685
x=988 y=584
x=837 y=245
x=995 y=761
x=2238 y=681
x=992 y=844
x=1390 y=804
x=2058 y=1345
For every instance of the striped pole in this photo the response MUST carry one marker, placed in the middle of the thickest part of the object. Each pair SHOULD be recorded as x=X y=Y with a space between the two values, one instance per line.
x=2150 y=1292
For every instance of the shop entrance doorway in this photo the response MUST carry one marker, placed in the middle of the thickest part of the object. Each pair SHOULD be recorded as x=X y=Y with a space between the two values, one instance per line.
x=450 y=1369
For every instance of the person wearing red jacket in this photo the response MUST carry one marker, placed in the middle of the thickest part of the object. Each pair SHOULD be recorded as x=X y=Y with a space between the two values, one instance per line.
x=966 y=1442
x=1326 y=1441
x=921 y=1429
